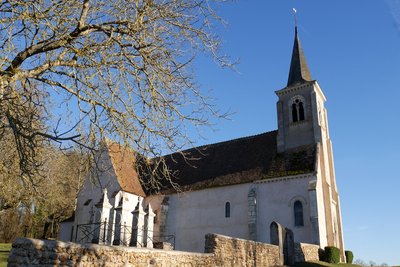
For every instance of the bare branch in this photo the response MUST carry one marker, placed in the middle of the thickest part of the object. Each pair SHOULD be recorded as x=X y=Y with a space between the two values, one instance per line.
x=120 y=69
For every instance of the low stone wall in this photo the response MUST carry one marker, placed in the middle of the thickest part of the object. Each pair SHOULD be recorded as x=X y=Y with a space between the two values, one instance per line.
x=33 y=252
x=230 y=251
x=220 y=251
x=305 y=252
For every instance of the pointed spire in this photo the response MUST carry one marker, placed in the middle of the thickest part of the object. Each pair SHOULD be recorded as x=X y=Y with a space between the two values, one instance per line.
x=299 y=71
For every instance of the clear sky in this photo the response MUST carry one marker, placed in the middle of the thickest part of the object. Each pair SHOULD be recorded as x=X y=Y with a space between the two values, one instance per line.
x=353 y=50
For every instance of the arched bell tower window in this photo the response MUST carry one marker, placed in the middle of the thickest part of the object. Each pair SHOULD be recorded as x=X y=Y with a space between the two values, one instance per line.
x=301 y=111
x=297 y=109
x=298 y=213
x=294 y=113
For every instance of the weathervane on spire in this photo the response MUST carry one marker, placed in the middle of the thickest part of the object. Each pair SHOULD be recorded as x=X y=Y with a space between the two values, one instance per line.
x=295 y=17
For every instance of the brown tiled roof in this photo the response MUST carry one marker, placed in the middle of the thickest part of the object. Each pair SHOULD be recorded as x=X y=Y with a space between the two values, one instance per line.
x=123 y=160
x=237 y=161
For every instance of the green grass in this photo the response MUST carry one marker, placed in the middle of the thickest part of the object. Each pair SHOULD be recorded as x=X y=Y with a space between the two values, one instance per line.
x=4 y=251
x=324 y=264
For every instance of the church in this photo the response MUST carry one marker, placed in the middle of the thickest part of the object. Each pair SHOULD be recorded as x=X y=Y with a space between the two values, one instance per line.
x=235 y=188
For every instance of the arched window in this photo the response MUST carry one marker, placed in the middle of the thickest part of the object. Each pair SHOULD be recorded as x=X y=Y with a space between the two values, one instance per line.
x=294 y=112
x=298 y=213
x=297 y=108
x=227 y=210
x=301 y=111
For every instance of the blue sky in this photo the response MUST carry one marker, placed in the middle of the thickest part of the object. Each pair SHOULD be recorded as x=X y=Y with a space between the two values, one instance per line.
x=353 y=50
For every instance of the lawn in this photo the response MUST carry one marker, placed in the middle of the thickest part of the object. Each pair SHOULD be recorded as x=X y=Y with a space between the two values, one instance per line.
x=4 y=250
x=324 y=264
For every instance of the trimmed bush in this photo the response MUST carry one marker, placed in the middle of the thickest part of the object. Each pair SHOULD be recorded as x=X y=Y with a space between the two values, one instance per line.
x=349 y=256
x=332 y=254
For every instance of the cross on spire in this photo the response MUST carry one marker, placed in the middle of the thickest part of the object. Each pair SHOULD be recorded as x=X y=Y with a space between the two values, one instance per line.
x=295 y=17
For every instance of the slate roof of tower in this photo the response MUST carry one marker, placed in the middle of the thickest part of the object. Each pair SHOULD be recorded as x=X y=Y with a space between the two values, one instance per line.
x=299 y=71
x=237 y=161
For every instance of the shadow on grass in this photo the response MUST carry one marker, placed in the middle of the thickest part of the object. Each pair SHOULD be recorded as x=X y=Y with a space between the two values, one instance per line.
x=324 y=264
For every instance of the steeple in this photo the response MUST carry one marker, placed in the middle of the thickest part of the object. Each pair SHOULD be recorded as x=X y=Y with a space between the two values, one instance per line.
x=300 y=105
x=299 y=71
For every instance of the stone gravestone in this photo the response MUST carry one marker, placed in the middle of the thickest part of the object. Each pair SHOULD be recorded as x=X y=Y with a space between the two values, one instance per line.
x=276 y=237
x=288 y=247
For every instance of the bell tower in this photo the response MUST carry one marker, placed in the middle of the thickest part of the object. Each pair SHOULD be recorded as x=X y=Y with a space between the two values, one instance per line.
x=300 y=109
x=302 y=120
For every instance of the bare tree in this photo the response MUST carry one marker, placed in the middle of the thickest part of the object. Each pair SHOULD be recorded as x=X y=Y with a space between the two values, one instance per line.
x=56 y=199
x=14 y=190
x=37 y=213
x=118 y=69
x=10 y=225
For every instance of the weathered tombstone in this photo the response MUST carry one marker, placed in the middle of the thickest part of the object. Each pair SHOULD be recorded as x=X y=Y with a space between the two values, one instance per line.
x=276 y=237
x=288 y=247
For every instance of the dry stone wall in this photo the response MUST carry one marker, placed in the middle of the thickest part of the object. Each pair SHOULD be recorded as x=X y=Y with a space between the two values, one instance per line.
x=230 y=251
x=220 y=251
x=33 y=252
x=305 y=252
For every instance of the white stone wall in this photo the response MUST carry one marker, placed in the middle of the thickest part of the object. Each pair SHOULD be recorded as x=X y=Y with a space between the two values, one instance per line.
x=276 y=200
x=193 y=214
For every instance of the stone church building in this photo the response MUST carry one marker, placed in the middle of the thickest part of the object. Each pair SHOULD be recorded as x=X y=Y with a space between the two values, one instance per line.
x=235 y=188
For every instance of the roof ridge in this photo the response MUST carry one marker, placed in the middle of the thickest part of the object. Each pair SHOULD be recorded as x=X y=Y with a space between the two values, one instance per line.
x=110 y=142
x=222 y=142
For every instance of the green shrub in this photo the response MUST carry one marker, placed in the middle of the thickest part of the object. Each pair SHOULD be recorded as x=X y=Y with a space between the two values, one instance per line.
x=349 y=256
x=332 y=254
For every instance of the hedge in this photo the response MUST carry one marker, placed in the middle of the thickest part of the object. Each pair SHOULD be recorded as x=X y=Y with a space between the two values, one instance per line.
x=332 y=254
x=349 y=256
